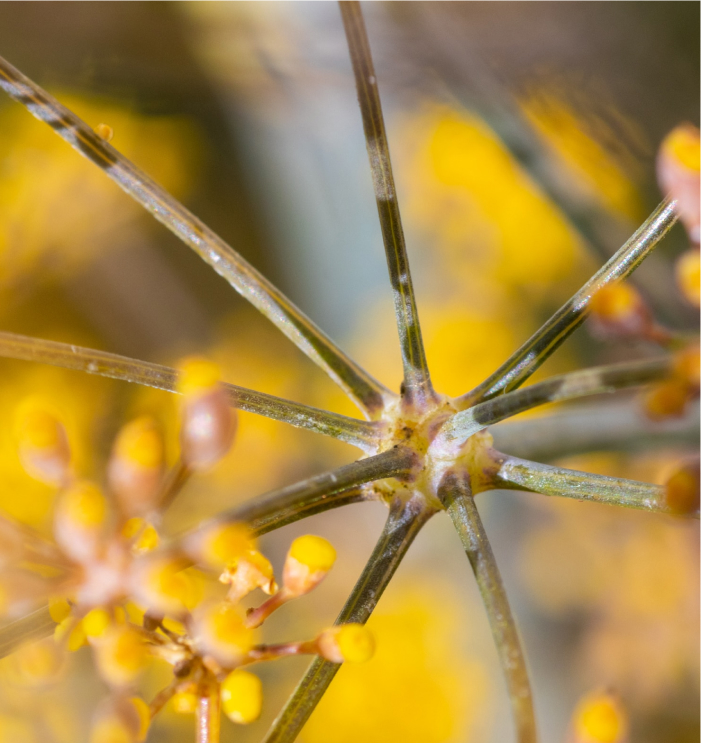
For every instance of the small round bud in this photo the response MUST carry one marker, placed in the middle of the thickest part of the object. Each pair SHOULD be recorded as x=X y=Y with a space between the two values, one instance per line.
x=242 y=697
x=121 y=655
x=309 y=560
x=688 y=271
x=249 y=572
x=681 y=491
x=599 y=718
x=42 y=442
x=666 y=399
x=117 y=720
x=208 y=422
x=347 y=642
x=80 y=519
x=104 y=131
x=678 y=174
x=184 y=703
x=687 y=367
x=144 y=533
x=220 y=631
x=163 y=586
x=221 y=545
x=135 y=469
x=618 y=310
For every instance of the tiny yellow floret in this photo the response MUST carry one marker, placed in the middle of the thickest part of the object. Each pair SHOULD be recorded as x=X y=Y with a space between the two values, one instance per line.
x=599 y=718
x=104 y=131
x=197 y=375
x=355 y=643
x=140 y=443
x=96 y=622
x=168 y=588
x=315 y=552
x=59 y=609
x=84 y=505
x=224 y=545
x=682 y=144
x=242 y=697
x=223 y=633
x=121 y=655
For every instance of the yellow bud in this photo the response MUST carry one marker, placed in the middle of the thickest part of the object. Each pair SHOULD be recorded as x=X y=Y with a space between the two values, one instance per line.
x=682 y=144
x=615 y=302
x=678 y=174
x=599 y=718
x=42 y=441
x=79 y=520
x=121 y=655
x=144 y=716
x=682 y=490
x=147 y=540
x=163 y=586
x=184 y=703
x=242 y=697
x=251 y=571
x=197 y=375
x=316 y=553
x=348 y=642
x=224 y=545
x=688 y=270
x=96 y=622
x=221 y=631
x=666 y=399
x=59 y=609
x=104 y=131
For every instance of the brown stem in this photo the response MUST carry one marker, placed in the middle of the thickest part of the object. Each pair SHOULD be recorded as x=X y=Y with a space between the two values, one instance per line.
x=208 y=716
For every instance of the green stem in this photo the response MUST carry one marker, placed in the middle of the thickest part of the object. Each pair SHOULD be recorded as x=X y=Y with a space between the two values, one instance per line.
x=540 y=346
x=595 y=381
x=417 y=381
x=367 y=392
x=520 y=474
x=361 y=434
x=456 y=495
x=403 y=524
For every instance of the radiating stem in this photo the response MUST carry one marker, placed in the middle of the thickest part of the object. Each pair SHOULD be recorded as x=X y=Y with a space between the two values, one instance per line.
x=595 y=381
x=622 y=426
x=520 y=474
x=457 y=497
x=514 y=372
x=279 y=507
x=357 y=383
x=417 y=382
x=208 y=712
x=359 y=433
x=403 y=524
x=34 y=626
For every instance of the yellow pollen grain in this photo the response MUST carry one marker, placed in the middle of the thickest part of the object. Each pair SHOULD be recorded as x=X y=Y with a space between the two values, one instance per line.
x=682 y=144
x=96 y=622
x=197 y=375
x=242 y=697
x=59 y=609
x=315 y=552
x=224 y=545
x=600 y=719
x=355 y=643
x=85 y=505
x=614 y=301
x=140 y=443
x=144 y=714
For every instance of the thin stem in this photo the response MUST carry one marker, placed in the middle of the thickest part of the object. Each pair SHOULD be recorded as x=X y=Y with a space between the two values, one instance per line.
x=356 y=382
x=595 y=381
x=328 y=490
x=208 y=712
x=361 y=434
x=520 y=474
x=163 y=697
x=456 y=495
x=540 y=346
x=403 y=524
x=175 y=481
x=34 y=626
x=622 y=426
x=417 y=381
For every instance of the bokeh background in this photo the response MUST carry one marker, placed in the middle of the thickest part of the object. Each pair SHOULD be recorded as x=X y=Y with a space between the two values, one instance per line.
x=524 y=136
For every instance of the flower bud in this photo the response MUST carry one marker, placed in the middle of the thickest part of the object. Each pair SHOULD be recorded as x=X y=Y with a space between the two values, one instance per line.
x=687 y=367
x=618 y=311
x=681 y=491
x=666 y=399
x=252 y=570
x=678 y=174
x=688 y=271
x=599 y=718
x=80 y=519
x=242 y=697
x=163 y=586
x=135 y=470
x=219 y=546
x=59 y=609
x=121 y=655
x=120 y=720
x=309 y=560
x=221 y=632
x=347 y=642
x=96 y=622
x=208 y=422
x=42 y=442
x=104 y=131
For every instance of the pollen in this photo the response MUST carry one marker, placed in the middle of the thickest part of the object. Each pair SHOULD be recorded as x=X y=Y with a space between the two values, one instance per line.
x=242 y=697
x=140 y=443
x=599 y=718
x=316 y=553
x=682 y=144
x=197 y=375
x=121 y=655
x=348 y=642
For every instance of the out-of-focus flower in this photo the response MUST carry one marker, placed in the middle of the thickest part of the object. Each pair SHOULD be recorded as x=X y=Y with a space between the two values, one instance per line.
x=599 y=718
